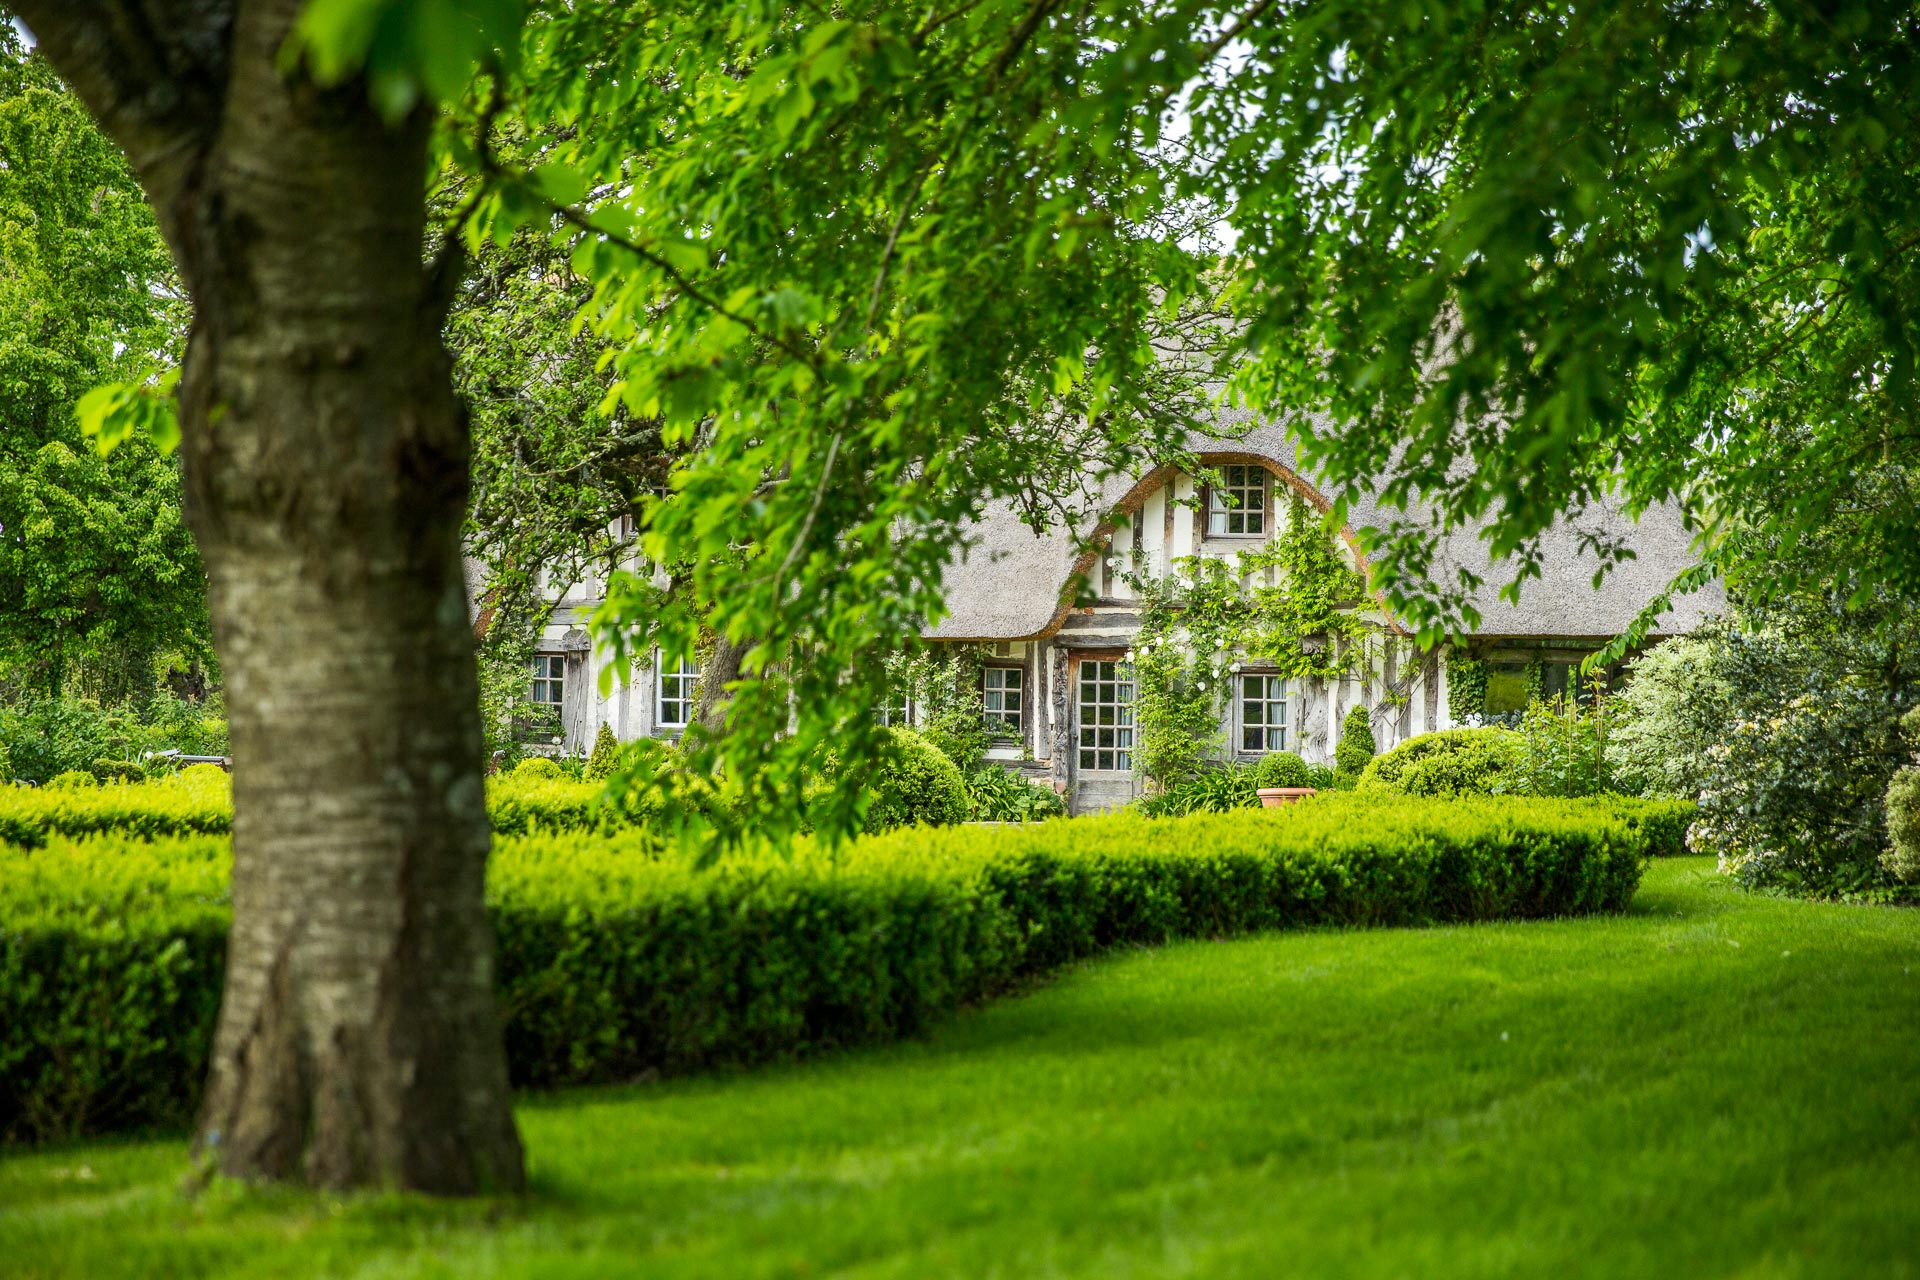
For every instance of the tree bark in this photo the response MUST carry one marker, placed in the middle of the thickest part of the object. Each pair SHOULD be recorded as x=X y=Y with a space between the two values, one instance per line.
x=326 y=480
x=721 y=669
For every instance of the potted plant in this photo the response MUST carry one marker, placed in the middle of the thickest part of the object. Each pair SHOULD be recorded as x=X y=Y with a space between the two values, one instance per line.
x=1280 y=778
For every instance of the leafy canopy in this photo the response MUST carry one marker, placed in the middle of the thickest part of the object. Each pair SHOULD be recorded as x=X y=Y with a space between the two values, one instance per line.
x=97 y=570
x=1538 y=257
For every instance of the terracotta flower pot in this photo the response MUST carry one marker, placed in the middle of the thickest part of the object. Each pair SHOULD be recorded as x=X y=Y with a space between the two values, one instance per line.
x=1274 y=797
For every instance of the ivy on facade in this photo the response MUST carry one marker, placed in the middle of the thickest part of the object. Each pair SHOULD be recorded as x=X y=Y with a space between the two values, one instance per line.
x=1288 y=605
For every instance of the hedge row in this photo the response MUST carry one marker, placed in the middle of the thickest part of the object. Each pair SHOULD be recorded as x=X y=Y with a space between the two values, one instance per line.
x=200 y=802
x=1663 y=823
x=615 y=962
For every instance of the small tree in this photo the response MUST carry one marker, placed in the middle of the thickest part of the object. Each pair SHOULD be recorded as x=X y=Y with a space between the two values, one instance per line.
x=606 y=753
x=1355 y=748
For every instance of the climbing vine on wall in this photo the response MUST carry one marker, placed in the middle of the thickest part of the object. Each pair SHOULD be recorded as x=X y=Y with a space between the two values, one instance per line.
x=1466 y=688
x=944 y=687
x=1210 y=612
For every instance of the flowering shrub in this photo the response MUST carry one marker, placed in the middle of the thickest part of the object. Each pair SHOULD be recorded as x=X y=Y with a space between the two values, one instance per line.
x=1796 y=786
x=1676 y=701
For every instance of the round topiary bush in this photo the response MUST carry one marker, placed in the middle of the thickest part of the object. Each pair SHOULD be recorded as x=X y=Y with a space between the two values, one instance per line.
x=73 y=778
x=1452 y=762
x=1282 y=769
x=538 y=767
x=916 y=783
x=105 y=771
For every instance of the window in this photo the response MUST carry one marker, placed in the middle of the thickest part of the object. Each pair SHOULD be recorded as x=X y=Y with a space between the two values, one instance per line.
x=1106 y=716
x=1238 y=504
x=1002 y=691
x=549 y=681
x=1263 y=713
x=896 y=712
x=674 y=692
x=1510 y=682
x=538 y=719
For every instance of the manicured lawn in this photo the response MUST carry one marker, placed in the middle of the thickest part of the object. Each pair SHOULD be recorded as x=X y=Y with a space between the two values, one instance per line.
x=1713 y=1085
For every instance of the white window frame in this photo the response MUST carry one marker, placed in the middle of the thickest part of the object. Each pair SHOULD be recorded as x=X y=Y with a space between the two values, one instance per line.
x=894 y=715
x=1249 y=486
x=1113 y=689
x=1267 y=728
x=685 y=683
x=1004 y=721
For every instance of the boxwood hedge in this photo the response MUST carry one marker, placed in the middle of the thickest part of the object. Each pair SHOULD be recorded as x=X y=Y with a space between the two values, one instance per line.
x=615 y=962
x=199 y=801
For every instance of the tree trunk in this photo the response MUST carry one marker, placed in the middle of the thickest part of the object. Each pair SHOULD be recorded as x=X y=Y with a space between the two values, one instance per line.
x=326 y=465
x=722 y=668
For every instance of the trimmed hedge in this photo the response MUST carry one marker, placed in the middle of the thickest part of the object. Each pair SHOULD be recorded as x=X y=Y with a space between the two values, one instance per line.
x=615 y=962
x=1451 y=762
x=199 y=801
x=189 y=803
x=1664 y=823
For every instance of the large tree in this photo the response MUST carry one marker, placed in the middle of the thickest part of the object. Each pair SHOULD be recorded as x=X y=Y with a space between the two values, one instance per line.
x=847 y=264
x=326 y=481
x=97 y=571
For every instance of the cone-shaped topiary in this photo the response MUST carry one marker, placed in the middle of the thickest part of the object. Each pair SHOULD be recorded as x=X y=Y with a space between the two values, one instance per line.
x=1356 y=745
x=606 y=754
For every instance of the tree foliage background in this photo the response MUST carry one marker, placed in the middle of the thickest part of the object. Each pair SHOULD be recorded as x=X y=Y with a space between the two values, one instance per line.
x=97 y=570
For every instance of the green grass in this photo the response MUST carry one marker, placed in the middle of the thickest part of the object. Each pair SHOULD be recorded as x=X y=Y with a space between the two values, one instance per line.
x=1715 y=1084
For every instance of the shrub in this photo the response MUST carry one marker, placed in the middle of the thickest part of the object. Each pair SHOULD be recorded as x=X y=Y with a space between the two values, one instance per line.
x=117 y=771
x=1356 y=746
x=72 y=778
x=1221 y=789
x=915 y=784
x=1281 y=769
x=1676 y=702
x=606 y=755
x=999 y=795
x=538 y=768
x=1452 y=762
x=1321 y=778
x=1563 y=750
x=1663 y=823
x=613 y=963
x=1902 y=857
x=43 y=738
x=1796 y=786
x=197 y=801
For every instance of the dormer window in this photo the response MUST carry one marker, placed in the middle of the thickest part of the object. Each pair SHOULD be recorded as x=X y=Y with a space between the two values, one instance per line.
x=1237 y=506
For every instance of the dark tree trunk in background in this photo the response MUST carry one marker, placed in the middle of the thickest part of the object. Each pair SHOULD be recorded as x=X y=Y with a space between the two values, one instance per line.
x=326 y=464
x=723 y=667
